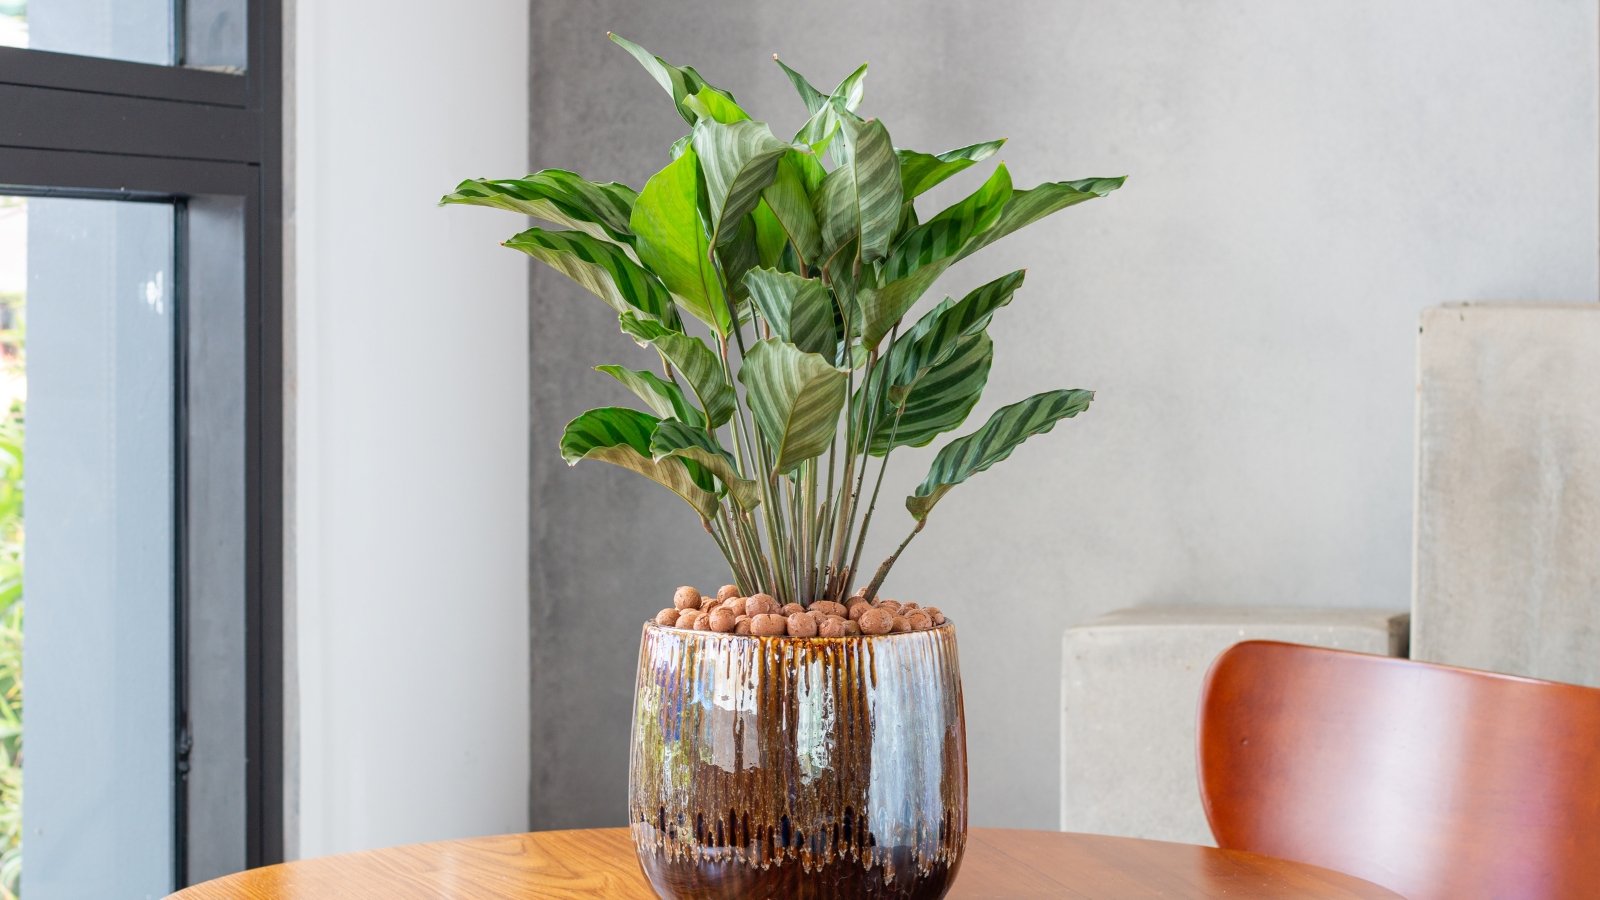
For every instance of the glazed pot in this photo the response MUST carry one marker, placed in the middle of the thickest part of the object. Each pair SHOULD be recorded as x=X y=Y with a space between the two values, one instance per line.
x=798 y=767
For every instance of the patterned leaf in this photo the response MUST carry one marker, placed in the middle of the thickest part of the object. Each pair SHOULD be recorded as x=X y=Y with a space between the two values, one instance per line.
x=672 y=244
x=921 y=171
x=799 y=310
x=604 y=269
x=559 y=196
x=944 y=235
x=789 y=201
x=795 y=397
x=621 y=437
x=936 y=334
x=678 y=440
x=861 y=198
x=939 y=400
x=739 y=161
x=694 y=360
x=992 y=442
x=1026 y=207
x=662 y=396
x=681 y=83
x=849 y=92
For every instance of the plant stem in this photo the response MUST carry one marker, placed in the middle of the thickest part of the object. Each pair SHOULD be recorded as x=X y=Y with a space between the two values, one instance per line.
x=883 y=570
x=866 y=521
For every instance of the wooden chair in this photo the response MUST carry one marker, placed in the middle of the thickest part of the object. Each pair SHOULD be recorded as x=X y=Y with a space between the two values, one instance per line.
x=1432 y=781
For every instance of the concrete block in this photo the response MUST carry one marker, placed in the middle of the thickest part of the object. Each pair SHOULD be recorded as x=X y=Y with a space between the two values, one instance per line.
x=1508 y=490
x=1130 y=686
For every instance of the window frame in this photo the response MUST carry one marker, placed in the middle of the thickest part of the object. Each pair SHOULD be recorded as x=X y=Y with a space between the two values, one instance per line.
x=109 y=129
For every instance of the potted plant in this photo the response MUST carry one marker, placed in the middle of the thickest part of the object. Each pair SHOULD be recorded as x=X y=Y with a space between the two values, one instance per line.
x=793 y=735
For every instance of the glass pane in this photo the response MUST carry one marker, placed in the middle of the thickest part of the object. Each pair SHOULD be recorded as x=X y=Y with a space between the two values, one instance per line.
x=134 y=30
x=98 y=391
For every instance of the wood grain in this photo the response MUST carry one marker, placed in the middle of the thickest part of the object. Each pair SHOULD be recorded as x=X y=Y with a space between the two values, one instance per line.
x=1434 y=781
x=565 y=865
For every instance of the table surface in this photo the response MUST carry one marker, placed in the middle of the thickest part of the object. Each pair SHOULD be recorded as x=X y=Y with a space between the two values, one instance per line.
x=600 y=863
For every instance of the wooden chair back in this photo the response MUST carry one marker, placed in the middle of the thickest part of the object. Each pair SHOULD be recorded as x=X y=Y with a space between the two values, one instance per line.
x=1432 y=781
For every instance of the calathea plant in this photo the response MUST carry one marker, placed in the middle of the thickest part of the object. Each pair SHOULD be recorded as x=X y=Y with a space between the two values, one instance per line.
x=802 y=259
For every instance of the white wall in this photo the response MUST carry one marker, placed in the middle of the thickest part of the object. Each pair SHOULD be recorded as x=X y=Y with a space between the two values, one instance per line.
x=1306 y=177
x=408 y=399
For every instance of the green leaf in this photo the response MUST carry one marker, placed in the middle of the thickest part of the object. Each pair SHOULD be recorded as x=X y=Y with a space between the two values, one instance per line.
x=925 y=253
x=604 y=269
x=739 y=161
x=799 y=310
x=682 y=83
x=674 y=245
x=622 y=437
x=789 y=200
x=992 y=442
x=738 y=255
x=944 y=235
x=935 y=336
x=861 y=198
x=921 y=171
x=939 y=400
x=559 y=196
x=662 y=396
x=849 y=92
x=1026 y=207
x=795 y=397
x=694 y=360
x=676 y=439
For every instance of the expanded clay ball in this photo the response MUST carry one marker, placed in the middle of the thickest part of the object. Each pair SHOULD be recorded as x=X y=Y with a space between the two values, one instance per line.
x=769 y=625
x=934 y=614
x=830 y=608
x=702 y=622
x=741 y=624
x=899 y=624
x=736 y=604
x=790 y=609
x=667 y=617
x=831 y=627
x=893 y=606
x=722 y=620
x=802 y=625
x=686 y=618
x=857 y=608
x=686 y=598
x=760 y=604
x=920 y=621
x=727 y=591
x=907 y=607
x=875 y=621
x=851 y=628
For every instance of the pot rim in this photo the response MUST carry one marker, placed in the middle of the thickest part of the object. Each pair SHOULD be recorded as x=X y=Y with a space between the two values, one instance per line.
x=948 y=627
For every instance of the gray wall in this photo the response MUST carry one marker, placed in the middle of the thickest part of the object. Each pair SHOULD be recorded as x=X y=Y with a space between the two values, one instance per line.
x=1306 y=177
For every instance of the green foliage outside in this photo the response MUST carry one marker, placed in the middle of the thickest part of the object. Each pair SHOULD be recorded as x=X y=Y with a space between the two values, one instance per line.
x=11 y=541
x=801 y=260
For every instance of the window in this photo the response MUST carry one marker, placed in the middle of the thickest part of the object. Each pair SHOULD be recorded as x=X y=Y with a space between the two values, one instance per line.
x=140 y=358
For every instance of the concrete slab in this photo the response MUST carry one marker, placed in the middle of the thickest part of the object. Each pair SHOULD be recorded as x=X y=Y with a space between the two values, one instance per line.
x=1508 y=490
x=1130 y=686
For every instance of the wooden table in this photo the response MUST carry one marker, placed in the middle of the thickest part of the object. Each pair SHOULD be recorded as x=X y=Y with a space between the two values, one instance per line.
x=600 y=863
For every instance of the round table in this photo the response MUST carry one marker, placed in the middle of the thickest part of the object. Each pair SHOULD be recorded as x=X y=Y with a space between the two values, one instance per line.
x=600 y=863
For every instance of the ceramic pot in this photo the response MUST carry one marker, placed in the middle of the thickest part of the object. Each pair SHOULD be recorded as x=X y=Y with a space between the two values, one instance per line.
x=798 y=767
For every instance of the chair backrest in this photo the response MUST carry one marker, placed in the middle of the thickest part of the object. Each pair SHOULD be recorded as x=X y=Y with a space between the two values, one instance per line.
x=1429 y=780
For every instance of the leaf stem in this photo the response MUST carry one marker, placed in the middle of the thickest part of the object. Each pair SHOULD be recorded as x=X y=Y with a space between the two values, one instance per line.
x=883 y=570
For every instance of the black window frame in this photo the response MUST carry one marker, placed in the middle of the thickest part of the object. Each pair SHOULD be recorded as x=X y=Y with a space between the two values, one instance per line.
x=82 y=126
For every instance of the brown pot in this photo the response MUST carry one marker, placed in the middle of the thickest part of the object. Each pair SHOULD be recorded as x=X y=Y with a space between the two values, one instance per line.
x=798 y=767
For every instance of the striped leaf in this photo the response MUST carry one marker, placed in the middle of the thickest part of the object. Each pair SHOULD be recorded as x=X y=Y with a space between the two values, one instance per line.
x=672 y=244
x=738 y=255
x=662 y=396
x=936 y=334
x=799 y=310
x=861 y=198
x=694 y=360
x=681 y=83
x=1029 y=206
x=622 y=437
x=992 y=442
x=944 y=235
x=939 y=400
x=604 y=269
x=921 y=171
x=795 y=397
x=849 y=92
x=678 y=440
x=739 y=161
x=789 y=200
x=559 y=196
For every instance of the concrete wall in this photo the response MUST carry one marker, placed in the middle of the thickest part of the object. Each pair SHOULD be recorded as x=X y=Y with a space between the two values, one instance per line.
x=1306 y=177
x=408 y=400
